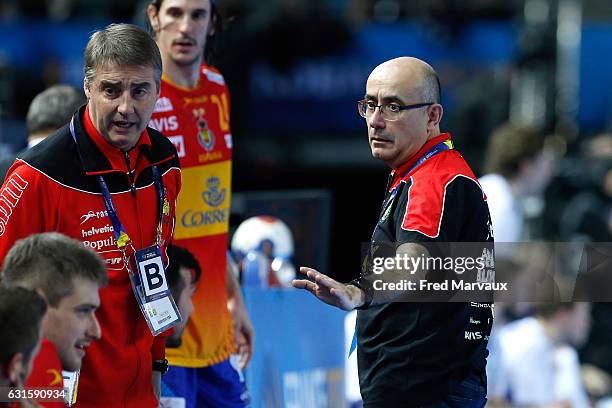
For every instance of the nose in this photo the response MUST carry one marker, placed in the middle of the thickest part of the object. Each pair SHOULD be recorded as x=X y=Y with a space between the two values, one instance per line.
x=376 y=121
x=126 y=104
x=186 y=24
x=94 y=331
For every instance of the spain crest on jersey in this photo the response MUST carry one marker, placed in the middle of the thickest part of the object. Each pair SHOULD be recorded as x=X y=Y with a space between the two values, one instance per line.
x=213 y=196
x=206 y=137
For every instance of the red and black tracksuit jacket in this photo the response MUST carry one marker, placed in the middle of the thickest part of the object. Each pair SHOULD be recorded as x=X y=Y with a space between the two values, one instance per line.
x=53 y=187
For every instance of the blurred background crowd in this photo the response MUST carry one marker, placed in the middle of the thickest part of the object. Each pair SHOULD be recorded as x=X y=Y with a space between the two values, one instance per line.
x=526 y=87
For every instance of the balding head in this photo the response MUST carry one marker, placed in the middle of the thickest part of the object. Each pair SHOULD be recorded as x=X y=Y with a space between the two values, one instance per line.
x=402 y=109
x=413 y=75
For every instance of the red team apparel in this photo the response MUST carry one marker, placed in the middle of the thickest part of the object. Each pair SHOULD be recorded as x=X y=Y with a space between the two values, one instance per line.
x=46 y=372
x=197 y=122
x=53 y=187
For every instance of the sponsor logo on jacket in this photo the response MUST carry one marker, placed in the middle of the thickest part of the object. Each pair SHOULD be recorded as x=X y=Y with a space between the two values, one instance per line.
x=9 y=198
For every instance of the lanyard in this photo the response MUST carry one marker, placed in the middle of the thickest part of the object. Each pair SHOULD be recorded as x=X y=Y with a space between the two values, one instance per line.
x=163 y=207
x=440 y=147
x=121 y=236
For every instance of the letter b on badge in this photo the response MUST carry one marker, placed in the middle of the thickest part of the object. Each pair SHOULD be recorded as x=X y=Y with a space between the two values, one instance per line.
x=152 y=276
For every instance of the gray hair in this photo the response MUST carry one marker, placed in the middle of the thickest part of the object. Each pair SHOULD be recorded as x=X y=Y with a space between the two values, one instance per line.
x=53 y=108
x=49 y=262
x=430 y=88
x=124 y=45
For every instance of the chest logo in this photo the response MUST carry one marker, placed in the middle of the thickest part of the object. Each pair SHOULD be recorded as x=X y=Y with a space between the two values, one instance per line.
x=205 y=136
x=387 y=210
x=489 y=228
x=213 y=196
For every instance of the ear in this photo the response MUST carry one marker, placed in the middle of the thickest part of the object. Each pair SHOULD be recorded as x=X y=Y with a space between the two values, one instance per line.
x=435 y=113
x=86 y=87
x=15 y=369
x=152 y=16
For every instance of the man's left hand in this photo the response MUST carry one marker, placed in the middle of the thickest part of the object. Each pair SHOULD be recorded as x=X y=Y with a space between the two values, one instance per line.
x=330 y=291
x=244 y=334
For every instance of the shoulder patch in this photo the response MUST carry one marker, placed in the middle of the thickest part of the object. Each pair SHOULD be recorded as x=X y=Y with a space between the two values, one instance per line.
x=425 y=207
x=163 y=104
x=214 y=76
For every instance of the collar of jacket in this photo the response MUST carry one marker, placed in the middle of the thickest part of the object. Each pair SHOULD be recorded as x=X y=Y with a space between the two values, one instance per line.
x=99 y=157
x=401 y=173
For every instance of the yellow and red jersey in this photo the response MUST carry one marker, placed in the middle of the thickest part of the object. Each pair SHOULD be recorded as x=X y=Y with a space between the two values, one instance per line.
x=197 y=122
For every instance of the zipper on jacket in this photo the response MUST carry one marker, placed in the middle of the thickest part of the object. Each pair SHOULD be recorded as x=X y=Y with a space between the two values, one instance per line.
x=126 y=156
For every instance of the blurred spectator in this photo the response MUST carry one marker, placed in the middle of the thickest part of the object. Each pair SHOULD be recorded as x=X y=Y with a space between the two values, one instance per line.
x=21 y=314
x=587 y=215
x=68 y=275
x=516 y=167
x=579 y=209
x=61 y=10
x=49 y=110
x=183 y=274
x=539 y=365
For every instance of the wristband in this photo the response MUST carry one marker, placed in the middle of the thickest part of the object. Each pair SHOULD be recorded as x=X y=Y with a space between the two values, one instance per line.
x=161 y=366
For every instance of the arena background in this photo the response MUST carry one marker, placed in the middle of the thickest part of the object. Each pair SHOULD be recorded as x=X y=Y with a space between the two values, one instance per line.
x=296 y=68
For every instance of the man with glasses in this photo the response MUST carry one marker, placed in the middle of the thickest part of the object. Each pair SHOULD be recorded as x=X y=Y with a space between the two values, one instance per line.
x=412 y=353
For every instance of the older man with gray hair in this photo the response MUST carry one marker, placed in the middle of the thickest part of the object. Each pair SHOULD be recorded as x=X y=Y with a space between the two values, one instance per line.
x=49 y=110
x=110 y=182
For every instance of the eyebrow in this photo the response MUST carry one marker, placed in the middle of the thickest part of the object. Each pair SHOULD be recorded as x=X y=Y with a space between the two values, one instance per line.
x=386 y=99
x=143 y=84
x=106 y=82
x=195 y=10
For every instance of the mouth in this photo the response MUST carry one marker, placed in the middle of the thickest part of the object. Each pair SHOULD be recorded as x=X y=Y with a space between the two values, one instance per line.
x=379 y=140
x=123 y=124
x=184 y=43
x=81 y=349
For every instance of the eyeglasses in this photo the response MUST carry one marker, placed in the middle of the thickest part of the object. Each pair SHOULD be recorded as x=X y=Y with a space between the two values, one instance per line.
x=389 y=111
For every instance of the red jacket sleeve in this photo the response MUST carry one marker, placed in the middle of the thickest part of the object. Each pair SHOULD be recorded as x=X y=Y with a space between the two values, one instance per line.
x=158 y=350
x=25 y=199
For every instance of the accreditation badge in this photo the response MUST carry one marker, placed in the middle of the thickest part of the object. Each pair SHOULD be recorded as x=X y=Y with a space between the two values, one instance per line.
x=71 y=384
x=150 y=286
x=171 y=402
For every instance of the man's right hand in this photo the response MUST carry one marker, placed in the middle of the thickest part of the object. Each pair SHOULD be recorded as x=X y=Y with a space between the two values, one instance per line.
x=345 y=297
